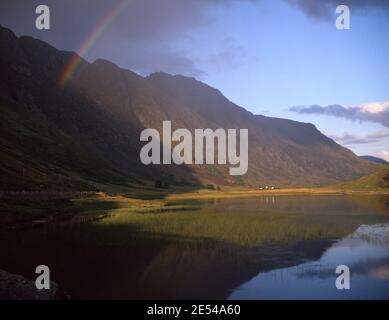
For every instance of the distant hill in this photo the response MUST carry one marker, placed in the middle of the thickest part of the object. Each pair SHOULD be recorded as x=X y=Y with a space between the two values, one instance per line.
x=374 y=159
x=86 y=134
x=376 y=180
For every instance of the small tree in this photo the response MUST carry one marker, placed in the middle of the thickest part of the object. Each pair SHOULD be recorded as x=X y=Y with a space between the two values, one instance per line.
x=158 y=184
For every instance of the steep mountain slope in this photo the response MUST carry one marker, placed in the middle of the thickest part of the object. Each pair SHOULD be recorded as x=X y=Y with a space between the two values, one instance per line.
x=280 y=151
x=54 y=137
x=87 y=132
x=374 y=159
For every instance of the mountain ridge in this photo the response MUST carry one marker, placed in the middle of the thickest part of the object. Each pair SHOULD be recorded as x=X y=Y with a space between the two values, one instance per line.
x=374 y=159
x=87 y=131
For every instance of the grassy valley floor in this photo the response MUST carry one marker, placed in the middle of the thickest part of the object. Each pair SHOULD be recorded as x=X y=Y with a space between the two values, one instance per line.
x=25 y=209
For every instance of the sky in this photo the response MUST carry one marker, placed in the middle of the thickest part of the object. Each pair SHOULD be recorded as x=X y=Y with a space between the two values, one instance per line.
x=280 y=58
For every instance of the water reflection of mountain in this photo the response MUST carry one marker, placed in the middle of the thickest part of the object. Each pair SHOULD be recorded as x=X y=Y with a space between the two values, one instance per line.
x=365 y=252
x=96 y=260
x=144 y=270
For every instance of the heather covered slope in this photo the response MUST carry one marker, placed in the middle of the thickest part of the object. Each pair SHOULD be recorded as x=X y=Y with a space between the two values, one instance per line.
x=86 y=132
x=379 y=179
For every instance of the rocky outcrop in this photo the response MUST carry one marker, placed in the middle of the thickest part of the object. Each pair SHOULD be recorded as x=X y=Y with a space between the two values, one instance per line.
x=17 y=287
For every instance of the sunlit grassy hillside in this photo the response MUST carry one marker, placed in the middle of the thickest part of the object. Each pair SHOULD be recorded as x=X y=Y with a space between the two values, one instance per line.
x=376 y=180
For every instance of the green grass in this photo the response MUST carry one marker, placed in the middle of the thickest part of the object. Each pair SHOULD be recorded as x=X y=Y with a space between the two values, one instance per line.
x=128 y=219
x=376 y=180
x=18 y=213
x=253 y=229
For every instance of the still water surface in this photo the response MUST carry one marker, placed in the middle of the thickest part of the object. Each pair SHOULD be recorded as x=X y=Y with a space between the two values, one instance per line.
x=284 y=247
x=365 y=252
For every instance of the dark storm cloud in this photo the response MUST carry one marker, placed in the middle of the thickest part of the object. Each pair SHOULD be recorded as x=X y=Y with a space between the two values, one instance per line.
x=147 y=28
x=325 y=9
x=373 y=112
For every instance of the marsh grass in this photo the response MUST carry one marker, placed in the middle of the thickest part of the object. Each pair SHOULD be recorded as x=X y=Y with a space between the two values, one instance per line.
x=124 y=220
x=249 y=229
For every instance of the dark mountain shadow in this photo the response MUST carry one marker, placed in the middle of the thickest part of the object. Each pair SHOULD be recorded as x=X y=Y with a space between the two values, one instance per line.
x=56 y=137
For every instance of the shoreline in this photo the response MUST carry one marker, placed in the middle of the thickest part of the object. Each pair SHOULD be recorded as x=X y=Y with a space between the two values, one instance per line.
x=33 y=209
x=175 y=193
x=206 y=194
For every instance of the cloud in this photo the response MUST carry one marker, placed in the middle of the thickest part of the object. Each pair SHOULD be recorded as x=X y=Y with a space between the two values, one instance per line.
x=374 y=112
x=148 y=30
x=348 y=139
x=231 y=56
x=384 y=155
x=325 y=9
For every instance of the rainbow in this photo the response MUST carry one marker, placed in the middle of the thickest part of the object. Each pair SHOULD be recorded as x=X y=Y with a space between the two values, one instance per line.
x=76 y=59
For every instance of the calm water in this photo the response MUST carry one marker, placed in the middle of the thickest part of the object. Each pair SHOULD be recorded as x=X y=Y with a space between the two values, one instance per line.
x=365 y=252
x=293 y=257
